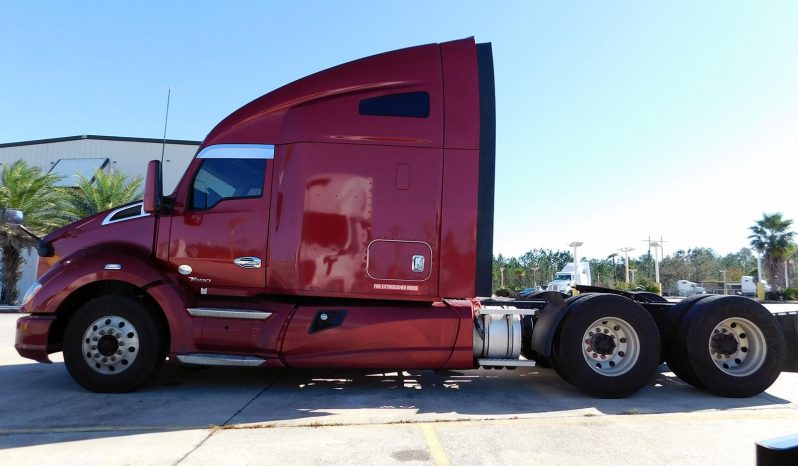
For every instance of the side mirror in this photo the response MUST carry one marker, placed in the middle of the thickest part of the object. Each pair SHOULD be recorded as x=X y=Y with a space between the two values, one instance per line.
x=14 y=217
x=11 y=217
x=153 y=188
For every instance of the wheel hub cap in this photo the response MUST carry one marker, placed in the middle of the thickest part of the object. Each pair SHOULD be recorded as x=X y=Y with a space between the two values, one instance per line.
x=110 y=345
x=610 y=346
x=724 y=344
x=603 y=344
x=107 y=345
x=737 y=346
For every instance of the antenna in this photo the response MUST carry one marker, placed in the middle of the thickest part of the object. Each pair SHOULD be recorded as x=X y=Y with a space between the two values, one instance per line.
x=165 y=122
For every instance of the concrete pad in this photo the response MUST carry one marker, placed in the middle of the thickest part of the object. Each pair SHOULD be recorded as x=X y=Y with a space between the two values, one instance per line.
x=340 y=397
x=99 y=448
x=699 y=439
x=314 y=446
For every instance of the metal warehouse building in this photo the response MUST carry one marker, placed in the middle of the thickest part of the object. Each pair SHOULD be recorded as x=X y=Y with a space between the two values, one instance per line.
x=69 y=156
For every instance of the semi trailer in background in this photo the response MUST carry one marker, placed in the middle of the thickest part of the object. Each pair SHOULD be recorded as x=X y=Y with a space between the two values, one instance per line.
x=346 y=220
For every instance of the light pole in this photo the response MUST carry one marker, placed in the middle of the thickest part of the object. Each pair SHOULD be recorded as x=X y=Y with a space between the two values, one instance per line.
x=576 y=244
x=625 y=252
x=656 y=246
x=724 y=280
x=534 y=276
x=501 y=269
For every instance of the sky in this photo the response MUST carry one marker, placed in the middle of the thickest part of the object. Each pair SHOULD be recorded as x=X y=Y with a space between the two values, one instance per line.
x=616 y=121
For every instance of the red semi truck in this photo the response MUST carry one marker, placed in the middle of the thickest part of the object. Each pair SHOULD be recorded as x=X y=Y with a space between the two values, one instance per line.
x=346 y=220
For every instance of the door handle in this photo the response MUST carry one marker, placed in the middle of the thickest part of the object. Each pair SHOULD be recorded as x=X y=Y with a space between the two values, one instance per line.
x=248 y=262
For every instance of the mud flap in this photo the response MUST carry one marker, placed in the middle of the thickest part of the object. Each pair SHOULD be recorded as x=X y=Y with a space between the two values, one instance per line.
x=789 y=325
x=546 y=325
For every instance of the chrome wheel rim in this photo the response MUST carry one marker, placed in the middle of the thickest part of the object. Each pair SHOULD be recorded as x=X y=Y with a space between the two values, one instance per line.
x=110 y=345
x=737 y=347
x=610 y=346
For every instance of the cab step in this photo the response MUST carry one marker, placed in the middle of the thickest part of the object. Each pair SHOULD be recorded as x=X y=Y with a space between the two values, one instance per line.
x=210 y=359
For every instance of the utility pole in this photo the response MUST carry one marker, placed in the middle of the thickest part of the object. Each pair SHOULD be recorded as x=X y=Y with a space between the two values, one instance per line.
x=625 y=251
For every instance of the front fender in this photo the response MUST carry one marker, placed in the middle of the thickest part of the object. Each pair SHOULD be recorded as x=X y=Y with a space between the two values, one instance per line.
x=88 y=266
x=137 y=269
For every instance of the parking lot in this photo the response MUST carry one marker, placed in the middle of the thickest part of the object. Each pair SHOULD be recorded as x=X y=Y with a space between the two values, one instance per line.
x=235 y=416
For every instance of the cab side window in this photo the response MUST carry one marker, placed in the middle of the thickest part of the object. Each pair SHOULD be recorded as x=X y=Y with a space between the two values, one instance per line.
x=227 y=178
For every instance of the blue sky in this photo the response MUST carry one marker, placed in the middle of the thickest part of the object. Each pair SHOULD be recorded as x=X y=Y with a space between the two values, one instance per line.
x=615 y=120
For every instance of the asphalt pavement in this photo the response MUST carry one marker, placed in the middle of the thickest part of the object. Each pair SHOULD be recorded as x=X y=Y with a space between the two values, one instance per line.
x=255 y=416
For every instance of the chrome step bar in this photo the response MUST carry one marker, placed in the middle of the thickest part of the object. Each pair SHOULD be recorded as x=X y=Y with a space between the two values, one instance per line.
x=505 y=362
x=228 y=313
x=209 y=359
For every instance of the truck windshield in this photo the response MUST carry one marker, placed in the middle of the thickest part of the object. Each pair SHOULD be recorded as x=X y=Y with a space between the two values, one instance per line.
x=562 y=276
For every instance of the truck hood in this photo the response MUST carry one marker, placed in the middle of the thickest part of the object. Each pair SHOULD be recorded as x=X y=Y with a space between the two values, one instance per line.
x=126 y=226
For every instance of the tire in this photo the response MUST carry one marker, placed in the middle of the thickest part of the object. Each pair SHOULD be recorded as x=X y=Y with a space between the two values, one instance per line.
x=112 y=344
x=631 y=354
x=552 y=361
x=673 y=354
x=734 y=346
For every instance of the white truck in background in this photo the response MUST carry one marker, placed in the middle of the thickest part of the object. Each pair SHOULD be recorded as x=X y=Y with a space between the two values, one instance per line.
x=687 y=288
x=745 y=287
x=564 y=280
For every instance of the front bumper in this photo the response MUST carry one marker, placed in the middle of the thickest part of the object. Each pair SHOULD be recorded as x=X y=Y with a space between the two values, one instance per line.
x=32 y=333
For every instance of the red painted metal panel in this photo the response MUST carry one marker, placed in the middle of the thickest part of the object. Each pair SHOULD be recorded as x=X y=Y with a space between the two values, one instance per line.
x=392 y=337
x=461 y=87
x=459 y=224
x=210 y=240
x=31 y=337
x=323 y=107
x=225 y=335
x=393 y=260
x=463 y=352
x=330 y=201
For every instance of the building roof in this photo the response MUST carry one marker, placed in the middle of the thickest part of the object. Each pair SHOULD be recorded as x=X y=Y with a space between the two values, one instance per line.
x=101 y=138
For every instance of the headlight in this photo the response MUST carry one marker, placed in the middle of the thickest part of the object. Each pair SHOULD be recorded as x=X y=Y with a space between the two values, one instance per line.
x=31 y=292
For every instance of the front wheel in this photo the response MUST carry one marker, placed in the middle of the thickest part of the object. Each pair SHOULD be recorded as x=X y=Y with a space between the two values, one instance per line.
x=607 y=346
x=112 y=344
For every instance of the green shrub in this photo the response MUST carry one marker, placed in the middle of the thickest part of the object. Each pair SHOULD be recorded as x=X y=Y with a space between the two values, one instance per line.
x=503 y=292
x=790 y=293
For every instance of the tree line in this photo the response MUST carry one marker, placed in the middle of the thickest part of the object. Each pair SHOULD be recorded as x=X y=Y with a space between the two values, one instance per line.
x=770 y=236
x=47 y=206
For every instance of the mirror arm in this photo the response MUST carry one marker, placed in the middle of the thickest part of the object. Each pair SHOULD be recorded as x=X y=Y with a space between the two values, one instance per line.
x=44 y=248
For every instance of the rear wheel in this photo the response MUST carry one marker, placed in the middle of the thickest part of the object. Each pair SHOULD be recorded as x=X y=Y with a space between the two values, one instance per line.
x=112 y=344
x=607 y=346
x=734 y=346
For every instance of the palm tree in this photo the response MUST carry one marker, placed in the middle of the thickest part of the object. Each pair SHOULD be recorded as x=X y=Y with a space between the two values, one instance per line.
x=27 y=189
x=771 y=237
x=106 y=191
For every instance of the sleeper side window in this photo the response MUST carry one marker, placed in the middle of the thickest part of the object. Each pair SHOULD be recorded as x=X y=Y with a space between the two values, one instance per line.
x=227 y=178
x=406 y=104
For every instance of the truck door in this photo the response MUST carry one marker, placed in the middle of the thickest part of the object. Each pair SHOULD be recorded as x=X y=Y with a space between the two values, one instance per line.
x=218 y=242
